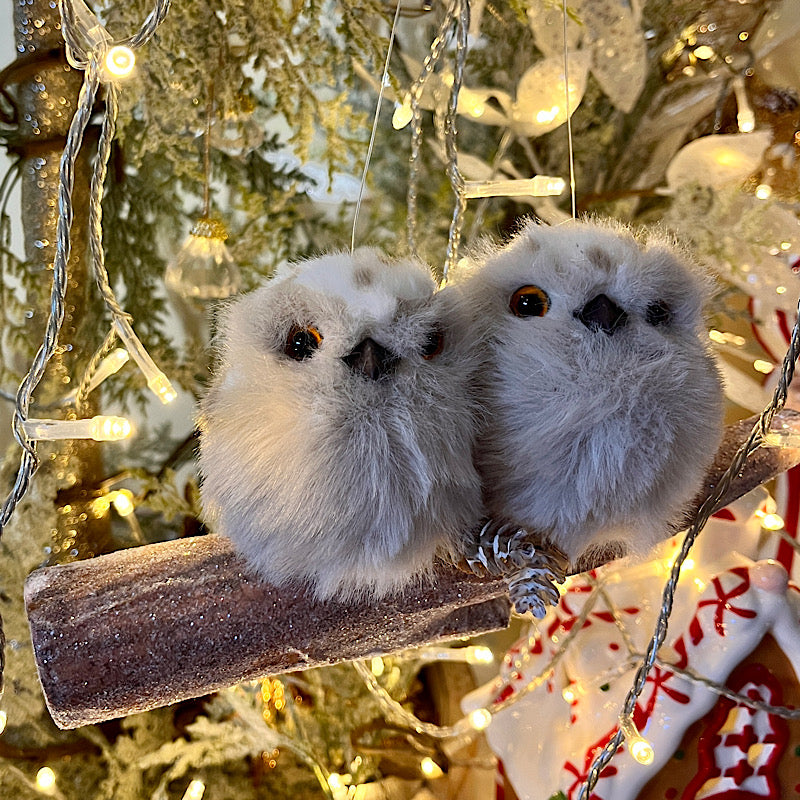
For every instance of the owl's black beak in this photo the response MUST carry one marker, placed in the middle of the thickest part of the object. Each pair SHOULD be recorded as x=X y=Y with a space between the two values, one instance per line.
x=371 y=359
x=601 y=313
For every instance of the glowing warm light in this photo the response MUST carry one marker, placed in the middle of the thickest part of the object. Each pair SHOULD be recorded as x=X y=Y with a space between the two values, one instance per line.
x=110 y=429
x=786 y=245
x=100 y=428
x=3 y=720
x=704 y=52
x=157 y=381
x=335 y=782
x=764 y=367
x=763 y=191
x=123 y=502
x=195 y=790
x=476 y=109
x=772 y=522
x=480 y=719
x=160 y=386
x=780 y=289
x=568 y=694
x=642 y=751
x=538 y=186
x=377 y=666
x=46 y=780
x=429 y=768
x=479 y=655
x=547 y=115
x=725 y=337
x=402 y=115
x=120 y=61
x=100 y=506
x=689 y=563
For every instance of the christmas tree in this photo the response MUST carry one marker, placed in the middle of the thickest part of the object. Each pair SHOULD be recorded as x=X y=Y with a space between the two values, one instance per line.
x=241 y=133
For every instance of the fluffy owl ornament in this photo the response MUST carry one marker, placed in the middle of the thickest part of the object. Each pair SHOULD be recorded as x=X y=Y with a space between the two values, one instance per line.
x=336 y=439
x=603 y=404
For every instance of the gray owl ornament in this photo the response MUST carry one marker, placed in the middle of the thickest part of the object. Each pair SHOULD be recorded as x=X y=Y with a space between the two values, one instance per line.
x=336 y=438
x=602 y=401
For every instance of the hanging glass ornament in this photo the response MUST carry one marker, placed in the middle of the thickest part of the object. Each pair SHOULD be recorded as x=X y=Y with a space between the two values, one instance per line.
x=203 y=269
x=202 y=272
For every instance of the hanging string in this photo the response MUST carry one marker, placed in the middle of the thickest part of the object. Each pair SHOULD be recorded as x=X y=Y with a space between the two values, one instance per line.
x=569 y=116
x=384 y=81
x=708 y=507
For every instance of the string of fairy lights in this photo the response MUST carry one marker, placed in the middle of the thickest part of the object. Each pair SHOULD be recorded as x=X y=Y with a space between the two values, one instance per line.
x=89 y=47
x=106 y=63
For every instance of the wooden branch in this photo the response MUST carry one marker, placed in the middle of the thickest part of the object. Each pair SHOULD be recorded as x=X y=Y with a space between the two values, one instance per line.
x=149 y=626
x=152 y=625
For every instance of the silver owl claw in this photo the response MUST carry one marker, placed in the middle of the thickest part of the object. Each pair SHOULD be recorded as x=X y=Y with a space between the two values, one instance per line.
x=504 y=550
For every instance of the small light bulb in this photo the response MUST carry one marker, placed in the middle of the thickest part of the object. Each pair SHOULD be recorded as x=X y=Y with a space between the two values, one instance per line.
x=763 y=191
x=772 y=522
x=3 y=720
x=479 y=655
x=46 y=780
x=157 y=381
x=100 y=506
x=689 y=563
x=642 y=751
x=120 y=61
x=568 y=693
x=430 y=769
x=159 y=384
x=402 y=115
x=195 y=790
x=110 y=429
x=123 y=502
x=703 y=52
x=335 y=781
x=377 y=666
x=480 y=719
x=764 y=367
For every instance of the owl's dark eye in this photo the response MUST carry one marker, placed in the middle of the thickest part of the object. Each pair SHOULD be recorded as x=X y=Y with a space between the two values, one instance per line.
x=529 y=301
x=658 y=313
x=302 y=342
x=434 y=344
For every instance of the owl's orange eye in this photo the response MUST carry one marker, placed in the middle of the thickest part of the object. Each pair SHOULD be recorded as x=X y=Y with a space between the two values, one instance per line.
x=302 y=342
x=529 y=301
x=434 y=344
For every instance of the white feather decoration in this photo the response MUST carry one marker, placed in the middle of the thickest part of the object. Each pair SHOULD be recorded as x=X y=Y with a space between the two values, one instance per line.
x=603 y=405
x=336 y=445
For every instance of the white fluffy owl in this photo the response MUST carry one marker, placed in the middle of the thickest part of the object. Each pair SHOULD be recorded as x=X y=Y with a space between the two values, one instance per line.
x=603 y=404
x=336 y=439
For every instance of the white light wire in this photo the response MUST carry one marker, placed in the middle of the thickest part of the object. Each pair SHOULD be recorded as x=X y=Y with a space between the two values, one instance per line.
x=453 y=172
x=431 y=60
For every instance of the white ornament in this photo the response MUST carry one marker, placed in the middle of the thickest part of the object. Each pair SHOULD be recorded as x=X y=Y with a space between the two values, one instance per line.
x=724 y=606
x=718 y=160
x=337 y=436
x=602 y=402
